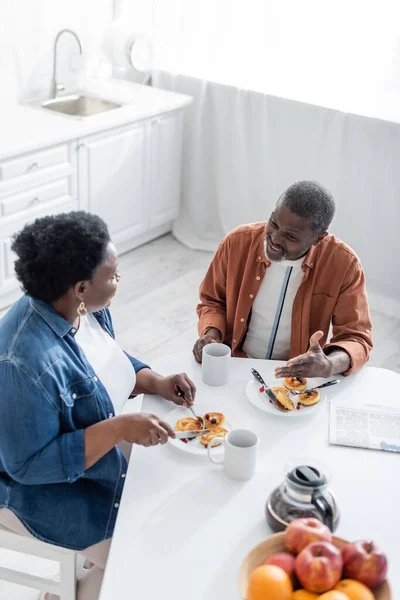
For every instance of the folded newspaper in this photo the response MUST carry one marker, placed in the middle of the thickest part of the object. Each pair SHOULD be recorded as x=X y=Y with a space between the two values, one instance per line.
x=365 y=426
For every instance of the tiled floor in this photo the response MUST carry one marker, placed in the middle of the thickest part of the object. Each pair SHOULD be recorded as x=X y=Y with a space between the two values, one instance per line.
x=154 y=314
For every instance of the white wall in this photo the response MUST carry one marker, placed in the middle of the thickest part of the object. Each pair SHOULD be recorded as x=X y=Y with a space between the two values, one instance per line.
x=27 y=32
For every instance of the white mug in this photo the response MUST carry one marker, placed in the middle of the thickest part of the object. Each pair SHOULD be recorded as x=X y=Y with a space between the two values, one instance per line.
x=216 y=364
x=240 y=453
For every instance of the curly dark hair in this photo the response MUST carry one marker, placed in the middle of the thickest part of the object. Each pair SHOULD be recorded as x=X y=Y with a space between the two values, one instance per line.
x=310 y=200
x=56 y=252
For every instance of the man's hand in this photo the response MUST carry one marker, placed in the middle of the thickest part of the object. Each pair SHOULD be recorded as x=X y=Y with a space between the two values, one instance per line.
x=145 y=430
x=172 y=387
x=212 y=336
x=314 y=363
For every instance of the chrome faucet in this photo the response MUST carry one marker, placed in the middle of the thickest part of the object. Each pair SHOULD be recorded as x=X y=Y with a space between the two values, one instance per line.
x=54 y=86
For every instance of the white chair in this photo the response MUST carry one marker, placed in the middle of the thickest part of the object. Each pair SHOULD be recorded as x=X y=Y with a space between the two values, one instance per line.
x=65 y=587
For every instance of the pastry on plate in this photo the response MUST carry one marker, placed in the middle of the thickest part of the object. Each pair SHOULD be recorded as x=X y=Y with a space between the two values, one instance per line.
x=188 y=424
x=213 y=420
x=217 y=432
x=295 y=383
x=281 y=395
x=309 y=398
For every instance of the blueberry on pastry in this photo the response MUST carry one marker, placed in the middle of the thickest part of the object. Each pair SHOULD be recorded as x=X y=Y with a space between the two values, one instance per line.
x=309 y=398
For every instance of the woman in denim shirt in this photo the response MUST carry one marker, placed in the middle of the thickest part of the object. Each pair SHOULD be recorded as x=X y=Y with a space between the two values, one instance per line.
x=63 y=382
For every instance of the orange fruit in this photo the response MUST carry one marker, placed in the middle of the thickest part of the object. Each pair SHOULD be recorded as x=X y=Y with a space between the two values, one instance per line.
x=269 y=582
x=333 y=595
x=354 y=590
x=304 y=595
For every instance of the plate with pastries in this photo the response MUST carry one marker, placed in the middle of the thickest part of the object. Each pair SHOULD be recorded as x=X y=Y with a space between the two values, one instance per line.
x=217 y=422
x=291 y=405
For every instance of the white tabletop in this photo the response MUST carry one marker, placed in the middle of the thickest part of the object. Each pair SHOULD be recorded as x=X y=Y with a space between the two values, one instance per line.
x=184 y=528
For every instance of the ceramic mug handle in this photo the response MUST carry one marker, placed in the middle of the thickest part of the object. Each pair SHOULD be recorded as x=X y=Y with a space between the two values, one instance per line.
x=209 y=448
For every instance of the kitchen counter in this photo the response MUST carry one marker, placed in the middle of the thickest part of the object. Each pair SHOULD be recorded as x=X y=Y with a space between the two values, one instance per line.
x=29 y=127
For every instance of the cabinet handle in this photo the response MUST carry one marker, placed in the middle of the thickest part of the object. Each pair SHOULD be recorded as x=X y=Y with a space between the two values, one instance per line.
x=33 y=167
x=81 y=146
x=156 y=121
x=34 y=201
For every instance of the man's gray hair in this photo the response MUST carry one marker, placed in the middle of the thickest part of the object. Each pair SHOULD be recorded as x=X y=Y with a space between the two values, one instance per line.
x=310 y=200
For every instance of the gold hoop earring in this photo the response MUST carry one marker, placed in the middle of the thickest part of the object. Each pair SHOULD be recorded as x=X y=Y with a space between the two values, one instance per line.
x=82 y=310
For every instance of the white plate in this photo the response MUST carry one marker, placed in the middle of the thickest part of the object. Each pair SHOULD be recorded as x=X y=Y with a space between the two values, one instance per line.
x=232 y=421
x=260 y=399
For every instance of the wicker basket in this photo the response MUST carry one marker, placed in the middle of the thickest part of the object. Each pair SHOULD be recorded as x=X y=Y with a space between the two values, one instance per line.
x=275 y=544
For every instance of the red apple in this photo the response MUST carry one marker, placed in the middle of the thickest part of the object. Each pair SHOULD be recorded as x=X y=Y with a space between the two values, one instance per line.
x=301 y=532
x=284 y=560
x=319 y=567
x=365 y=562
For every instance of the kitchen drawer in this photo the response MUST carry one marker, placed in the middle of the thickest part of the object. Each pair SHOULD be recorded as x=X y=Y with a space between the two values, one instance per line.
x=35 y=197
x=33 y=162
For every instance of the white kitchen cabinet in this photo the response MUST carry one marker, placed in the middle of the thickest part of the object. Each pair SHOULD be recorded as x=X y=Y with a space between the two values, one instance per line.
x=112 y=180
x=165 y=167
x=8 y=280
x=129 y=175
x=131 y=178
x=32 y=185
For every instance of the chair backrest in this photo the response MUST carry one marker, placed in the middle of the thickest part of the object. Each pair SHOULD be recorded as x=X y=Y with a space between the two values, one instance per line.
x=65 y=588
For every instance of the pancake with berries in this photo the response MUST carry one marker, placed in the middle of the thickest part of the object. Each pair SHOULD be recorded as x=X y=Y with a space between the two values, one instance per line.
x=208 y=437
x=309 y=398
x=295 y=383
x=213 y=420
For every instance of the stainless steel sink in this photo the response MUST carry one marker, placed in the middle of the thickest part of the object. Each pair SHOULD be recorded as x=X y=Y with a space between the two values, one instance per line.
x=80 y=105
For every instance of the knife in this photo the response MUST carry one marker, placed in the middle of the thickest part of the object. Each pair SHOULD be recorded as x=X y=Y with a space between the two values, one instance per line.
x=267 y=389
x=185 y=435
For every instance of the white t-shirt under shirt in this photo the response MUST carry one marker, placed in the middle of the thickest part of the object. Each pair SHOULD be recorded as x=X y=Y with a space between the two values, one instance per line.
x=109 y=362
x=270 y=325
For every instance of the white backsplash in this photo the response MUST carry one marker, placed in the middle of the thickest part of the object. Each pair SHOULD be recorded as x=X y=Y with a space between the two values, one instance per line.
x=27 y=32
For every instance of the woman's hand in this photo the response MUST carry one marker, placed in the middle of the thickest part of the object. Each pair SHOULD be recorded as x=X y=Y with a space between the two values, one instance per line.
x=145 y=430
x=179 y=389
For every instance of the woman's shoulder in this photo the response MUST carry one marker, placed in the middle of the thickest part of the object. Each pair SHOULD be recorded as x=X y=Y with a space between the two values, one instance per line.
x=13 y=321
x=27 y=340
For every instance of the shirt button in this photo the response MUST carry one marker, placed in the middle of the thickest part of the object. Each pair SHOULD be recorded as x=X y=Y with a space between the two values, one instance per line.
x=242 y=320
x=74 y=396
x=95 y=379
x=258 y=278
x=116 y=505
x=234 y=341
x=73 y=330
x=123 y=475
x=260 y=257
x=251 y=296
x=110 y=416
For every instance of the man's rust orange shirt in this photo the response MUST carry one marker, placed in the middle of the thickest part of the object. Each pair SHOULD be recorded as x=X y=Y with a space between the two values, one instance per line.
x=332 y=291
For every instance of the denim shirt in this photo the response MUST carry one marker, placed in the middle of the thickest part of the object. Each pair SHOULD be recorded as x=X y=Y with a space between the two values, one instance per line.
x=49 y=395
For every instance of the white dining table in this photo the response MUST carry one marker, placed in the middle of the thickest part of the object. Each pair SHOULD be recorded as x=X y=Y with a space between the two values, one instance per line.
x=184 y=528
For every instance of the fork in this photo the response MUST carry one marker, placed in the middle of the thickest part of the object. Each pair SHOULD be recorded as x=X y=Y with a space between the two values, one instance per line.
x=201 y=419
x=317 y=387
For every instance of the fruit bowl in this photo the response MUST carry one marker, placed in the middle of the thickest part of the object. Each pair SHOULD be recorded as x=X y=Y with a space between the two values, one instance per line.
x=275 y=544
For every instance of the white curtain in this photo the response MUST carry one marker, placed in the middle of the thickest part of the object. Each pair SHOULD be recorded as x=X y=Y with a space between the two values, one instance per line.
x=244 y=42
